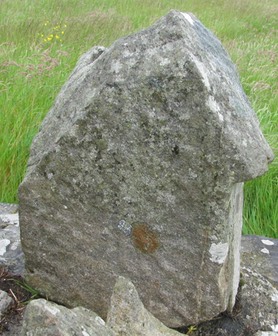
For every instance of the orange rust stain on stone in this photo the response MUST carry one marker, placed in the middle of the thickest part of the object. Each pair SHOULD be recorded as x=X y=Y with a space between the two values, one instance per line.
x=144 y=239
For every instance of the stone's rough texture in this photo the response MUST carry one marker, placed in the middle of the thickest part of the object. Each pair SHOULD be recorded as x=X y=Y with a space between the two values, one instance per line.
x=7 y=208
x=137 y=171
x=11 y=255
x=85 y=61
x=5 y=302
x=257 y=302
x=242 y=321
x=260 y=253
x=259 y=272
x=256 y=309
x=44 y=318
x=127 y=315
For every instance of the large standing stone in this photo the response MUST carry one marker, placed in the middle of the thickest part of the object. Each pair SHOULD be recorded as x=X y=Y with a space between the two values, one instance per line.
x=137 y=171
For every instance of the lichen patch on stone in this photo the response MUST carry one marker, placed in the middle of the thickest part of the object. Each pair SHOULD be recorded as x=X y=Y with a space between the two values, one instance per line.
x=188 y=18
x=53 y=310
x=10 y=218
x=203 y=72
x=144 y=238
x=265 y=250
x=124 y=227
x=99 y=320
x=275 y=328
x=211 y=102
x=219 y=252
x=3 y=246
x=274 y=297
x=267 y=242
x=84 y=333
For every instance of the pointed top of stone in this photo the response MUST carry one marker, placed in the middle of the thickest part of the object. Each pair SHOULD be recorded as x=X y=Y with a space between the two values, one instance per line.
x=176 y=46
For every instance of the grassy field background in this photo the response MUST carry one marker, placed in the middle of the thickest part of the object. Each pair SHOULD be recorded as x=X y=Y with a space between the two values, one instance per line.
x=40 y=42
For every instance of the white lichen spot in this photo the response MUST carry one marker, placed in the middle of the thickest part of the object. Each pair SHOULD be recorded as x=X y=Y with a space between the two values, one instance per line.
x=11 y=218
x=202 y=72
x=265 y=250
x=267 y=242
x=219 y=252
x=3 y=246
x=15 y=245
x=50 y=175
x=127 y=53
x=274 y=328
x=274 y=296
x=164 y=61
x=188 y=18
x=167 y=198
x=84 y=332
x=212 y=104
x=52 y=310
x=99 y=320
x=124 y=227
x=116 y=67
x=191 y=174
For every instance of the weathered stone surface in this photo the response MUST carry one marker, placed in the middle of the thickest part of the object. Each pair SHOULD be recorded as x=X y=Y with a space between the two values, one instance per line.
x=257 y=302
x=243 y=322
x=256 y=309
x=259 y=292
x=11 y=255
x=127 y=315
x=44 y=318
x=8 y=208
x=137 y=171
x=261 y=254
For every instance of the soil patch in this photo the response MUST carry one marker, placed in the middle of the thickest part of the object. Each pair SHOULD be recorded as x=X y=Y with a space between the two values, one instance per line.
x=15 y=286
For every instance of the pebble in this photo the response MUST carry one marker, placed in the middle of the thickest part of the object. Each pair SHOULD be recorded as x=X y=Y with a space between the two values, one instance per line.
x=5 y=302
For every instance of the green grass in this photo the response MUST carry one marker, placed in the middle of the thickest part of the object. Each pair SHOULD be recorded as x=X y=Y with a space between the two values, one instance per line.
x=32 y=71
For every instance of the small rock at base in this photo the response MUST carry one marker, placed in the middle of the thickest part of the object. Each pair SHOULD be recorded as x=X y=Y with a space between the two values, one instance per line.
x=5 y=302
x=45 y=318
x=127 y=315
